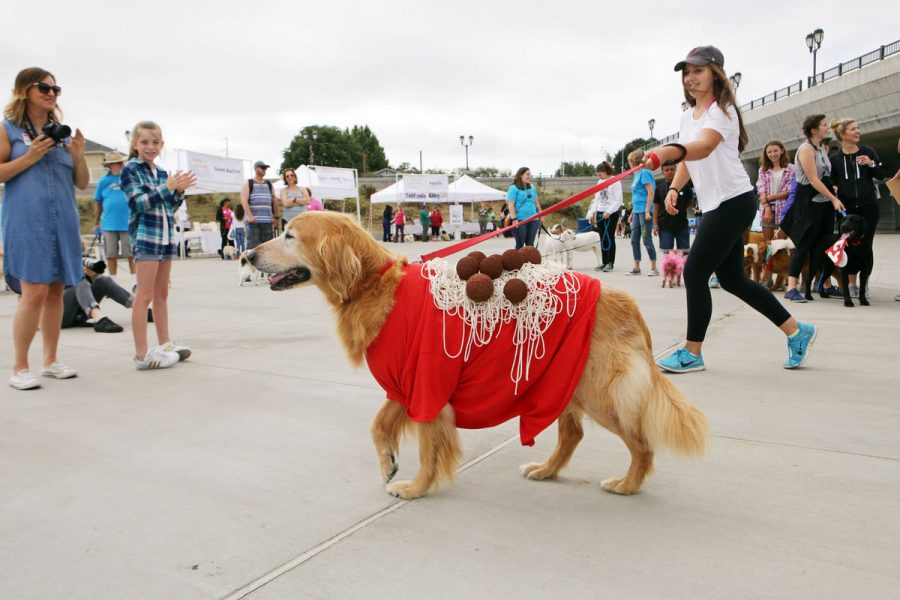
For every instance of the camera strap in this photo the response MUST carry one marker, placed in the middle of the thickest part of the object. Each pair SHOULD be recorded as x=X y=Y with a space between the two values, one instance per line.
x=29 y=128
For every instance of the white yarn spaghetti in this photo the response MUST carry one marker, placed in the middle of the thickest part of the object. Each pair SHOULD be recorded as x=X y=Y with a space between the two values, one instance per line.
x=482 y=321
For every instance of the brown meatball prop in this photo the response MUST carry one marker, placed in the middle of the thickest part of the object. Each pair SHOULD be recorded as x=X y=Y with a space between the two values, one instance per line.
x=478 y=255
x=466 y=267
x=512 y=260
x=515 y=290
x=530 y=254
x=492 y=266
x=479 y=287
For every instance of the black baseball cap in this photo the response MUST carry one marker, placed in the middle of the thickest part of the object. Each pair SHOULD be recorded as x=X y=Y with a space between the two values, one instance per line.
x=702 y=55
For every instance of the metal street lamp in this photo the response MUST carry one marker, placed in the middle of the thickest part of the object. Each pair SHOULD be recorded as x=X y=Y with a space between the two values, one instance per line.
x=310 y=138
x=735 y=80
x=462 y=141
x=651 y=123
x=814 y=42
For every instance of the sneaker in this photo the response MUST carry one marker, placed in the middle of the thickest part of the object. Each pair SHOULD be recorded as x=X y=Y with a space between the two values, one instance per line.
x=634 y=272
x=107 y=325
x=794 y=295
x=653 y=273
x=608 y=268
x=156 y=359
x=24 y=380
x=681 y=361
x=854 y=291
x=830 y=292
x=714 y=282
x=183 y=352
x=799 y=346
x=600 y=268
x=59 y=371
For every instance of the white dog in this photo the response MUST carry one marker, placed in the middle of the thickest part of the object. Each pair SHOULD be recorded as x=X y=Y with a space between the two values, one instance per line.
x=247 y=273
x=586 y=241
x=552 y=247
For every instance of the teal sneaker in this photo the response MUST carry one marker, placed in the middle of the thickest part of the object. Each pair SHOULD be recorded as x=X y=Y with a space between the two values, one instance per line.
x=681 y=361
x=714 y=282
x=799 y=346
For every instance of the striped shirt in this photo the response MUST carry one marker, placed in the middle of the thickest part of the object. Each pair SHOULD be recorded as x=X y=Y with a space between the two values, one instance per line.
x=151 y=206
x=261 y=202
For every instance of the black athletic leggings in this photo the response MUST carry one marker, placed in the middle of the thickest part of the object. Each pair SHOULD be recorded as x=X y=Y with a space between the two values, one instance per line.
x=607 y=230
x=719 y=247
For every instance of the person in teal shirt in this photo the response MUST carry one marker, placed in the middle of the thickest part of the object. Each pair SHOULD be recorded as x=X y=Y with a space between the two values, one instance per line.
x=425 y=222
x=642 y=189
x=111 y=214
x=522 y=200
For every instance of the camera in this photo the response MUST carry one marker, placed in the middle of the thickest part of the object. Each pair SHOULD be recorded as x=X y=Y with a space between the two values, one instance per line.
x=56 y=131
x=97 y=266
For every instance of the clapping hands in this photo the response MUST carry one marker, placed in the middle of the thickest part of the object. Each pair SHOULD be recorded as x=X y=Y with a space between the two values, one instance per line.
x=181 y=181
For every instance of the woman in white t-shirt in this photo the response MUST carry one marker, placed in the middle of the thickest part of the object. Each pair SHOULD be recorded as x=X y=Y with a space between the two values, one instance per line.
x=603 y=214
x=710 y=141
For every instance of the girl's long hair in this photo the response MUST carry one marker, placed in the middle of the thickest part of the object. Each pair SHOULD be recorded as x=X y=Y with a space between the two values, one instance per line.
x=16 y=110
x=765 y=164
x=724 y=95
x=136 y=133
x=518 y=180
x=839 y=126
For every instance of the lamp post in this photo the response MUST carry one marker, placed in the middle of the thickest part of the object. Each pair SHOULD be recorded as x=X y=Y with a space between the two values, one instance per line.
x=814 y=42
x=462 y=141
x=651 y=124
x=735 y=80
x=310 y=138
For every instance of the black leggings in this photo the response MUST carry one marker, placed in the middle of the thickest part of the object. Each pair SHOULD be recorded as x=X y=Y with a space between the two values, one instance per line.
x=814 y=243
x=607 y=230
x=719 y=247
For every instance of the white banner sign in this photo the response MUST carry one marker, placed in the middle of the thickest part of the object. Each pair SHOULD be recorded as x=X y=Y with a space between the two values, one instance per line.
x=426 y=188
x=333 y=177
x=456 y=215
x=214 y=173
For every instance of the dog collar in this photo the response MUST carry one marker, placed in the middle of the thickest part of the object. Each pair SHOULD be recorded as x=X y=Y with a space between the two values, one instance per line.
x=356 y=291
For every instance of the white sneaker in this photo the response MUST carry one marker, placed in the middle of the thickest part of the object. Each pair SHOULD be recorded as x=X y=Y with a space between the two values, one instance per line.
x=59 y=371
x=24 y=380
x=172 y=346
x=157 y=359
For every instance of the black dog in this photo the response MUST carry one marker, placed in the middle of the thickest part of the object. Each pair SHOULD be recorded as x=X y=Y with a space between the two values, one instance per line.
x=859 y=258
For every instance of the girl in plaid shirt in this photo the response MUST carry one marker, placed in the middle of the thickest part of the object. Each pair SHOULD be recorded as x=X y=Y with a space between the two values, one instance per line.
x=153 y=197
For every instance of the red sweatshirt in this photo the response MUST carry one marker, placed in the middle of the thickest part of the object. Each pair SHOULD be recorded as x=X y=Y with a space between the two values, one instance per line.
x=408 y=361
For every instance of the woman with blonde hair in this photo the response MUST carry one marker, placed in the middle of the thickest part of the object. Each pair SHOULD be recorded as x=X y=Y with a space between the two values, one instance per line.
x=853 y=169
x=643 y=187
x=41 y=164
x=773 y=185
x=711 y=138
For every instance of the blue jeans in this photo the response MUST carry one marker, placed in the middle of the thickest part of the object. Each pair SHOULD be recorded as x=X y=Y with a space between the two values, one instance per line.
x=526 y=233
x=239 y=245
x=672 y=239
x=641 y=230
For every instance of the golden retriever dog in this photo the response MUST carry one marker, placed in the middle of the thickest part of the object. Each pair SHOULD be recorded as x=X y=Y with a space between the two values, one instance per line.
x=620 y=388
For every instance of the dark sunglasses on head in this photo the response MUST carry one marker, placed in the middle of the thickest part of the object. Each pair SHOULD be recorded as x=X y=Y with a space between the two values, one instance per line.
x=46 y=88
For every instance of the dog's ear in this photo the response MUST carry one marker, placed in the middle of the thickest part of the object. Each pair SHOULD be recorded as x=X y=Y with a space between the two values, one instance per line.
x=340 y=267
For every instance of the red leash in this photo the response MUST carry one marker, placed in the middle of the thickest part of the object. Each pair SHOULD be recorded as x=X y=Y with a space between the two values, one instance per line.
x=453 y=249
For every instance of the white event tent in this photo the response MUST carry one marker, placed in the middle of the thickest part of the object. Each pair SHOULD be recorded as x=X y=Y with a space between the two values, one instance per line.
x=464 y=189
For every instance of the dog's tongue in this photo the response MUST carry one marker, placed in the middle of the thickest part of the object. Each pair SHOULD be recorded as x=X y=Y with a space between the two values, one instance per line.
x=273 y=279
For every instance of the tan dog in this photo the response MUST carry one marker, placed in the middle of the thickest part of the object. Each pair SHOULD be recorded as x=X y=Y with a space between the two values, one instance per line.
x=620 y=388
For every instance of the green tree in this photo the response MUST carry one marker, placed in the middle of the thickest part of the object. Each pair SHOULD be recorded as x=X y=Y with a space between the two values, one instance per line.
x=578 y=169
x=368 y=146
x=333 y=147
x=405 y=167
x=620 y=160
x=486 y=172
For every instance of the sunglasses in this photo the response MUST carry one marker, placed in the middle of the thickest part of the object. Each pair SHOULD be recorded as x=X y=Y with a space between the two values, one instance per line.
x=46 y=88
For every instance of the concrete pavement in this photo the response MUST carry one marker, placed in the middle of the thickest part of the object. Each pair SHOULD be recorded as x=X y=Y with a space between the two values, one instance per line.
x=248 y=470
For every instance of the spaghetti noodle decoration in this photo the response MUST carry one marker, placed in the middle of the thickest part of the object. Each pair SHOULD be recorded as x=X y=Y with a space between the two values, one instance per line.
x=551 y=289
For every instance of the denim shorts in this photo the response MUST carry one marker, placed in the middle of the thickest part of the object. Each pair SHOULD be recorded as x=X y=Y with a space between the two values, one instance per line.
x=669 y=239
x=140 y=257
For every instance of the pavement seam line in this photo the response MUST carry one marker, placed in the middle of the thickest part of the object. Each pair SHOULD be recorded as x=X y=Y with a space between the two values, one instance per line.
x=678 y=344
x=802 y=447
x=277 y=572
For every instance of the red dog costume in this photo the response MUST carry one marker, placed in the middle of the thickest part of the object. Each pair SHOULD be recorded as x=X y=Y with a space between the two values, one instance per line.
x=409 y=362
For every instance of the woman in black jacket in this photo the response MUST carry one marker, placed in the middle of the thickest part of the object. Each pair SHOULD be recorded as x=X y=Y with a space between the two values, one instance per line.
x=853 y=169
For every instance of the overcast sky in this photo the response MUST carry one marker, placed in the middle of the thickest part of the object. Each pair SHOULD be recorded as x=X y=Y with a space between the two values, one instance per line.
x=533 y=82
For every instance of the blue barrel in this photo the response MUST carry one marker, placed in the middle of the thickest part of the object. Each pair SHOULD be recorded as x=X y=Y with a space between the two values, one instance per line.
x=584 y=225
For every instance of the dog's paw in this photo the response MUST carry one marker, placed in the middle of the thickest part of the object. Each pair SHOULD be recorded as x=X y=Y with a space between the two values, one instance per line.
x=389 y=467
x=849 y=303
x=863 y=302
x=618 y=486
x=405 y=490
x=536 y=471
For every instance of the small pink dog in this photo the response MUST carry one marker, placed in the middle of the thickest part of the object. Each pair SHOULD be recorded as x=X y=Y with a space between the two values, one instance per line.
x=672 y=265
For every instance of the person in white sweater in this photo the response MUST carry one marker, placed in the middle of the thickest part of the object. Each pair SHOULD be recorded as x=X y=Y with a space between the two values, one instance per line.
x=604 y=215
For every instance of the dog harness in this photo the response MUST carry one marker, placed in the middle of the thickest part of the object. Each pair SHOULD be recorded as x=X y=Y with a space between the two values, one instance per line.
x=409 y=361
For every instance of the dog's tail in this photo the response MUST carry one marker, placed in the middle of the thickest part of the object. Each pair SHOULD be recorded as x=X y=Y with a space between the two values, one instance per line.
x=670 y=420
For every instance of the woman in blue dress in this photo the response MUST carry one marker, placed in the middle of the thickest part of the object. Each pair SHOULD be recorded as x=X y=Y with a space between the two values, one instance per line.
x=522 y=200
x=42 y=242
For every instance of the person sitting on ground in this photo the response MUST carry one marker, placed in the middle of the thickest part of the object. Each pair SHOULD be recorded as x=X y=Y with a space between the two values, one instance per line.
x=81 y=302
